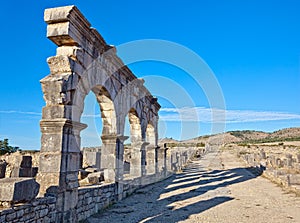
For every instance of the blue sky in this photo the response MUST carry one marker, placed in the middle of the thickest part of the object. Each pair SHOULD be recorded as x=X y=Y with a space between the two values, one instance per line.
x=251 y=47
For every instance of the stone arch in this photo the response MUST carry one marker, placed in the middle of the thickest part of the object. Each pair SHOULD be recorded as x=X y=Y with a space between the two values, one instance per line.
x=107 y=108
x=135 y=126
x=84 y=62
x=150 y=135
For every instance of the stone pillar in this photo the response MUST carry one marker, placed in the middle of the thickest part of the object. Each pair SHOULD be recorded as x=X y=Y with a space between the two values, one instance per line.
x=2 y=168
x=150 y=160
x=289 y=161
x=168 y=159
x=144 y=158
x=112 y=161
x=262 y=154
x=279 y=163
x=161 y=160
x=138 y=159
x=59 y=164
x=120 y=166
x=298 y=157
x=109 y=157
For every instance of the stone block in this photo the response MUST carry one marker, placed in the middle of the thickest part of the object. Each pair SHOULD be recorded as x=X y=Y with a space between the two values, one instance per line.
x=95 y=178
x=92 y=157
x=82 y=174
x=294 y=179
x=262 y=154
x=2 y=169
x=298 y=158
x=26 y=162
x=24 y=172
x=16 y=190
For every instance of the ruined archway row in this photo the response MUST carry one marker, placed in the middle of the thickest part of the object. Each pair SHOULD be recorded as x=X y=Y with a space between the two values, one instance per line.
x=84 y=62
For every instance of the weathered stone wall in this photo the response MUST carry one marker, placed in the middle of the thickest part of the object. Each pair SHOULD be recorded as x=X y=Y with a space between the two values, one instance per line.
x=280 y=164
x=38 y=210
x=14 y=160
x=177 y=157
x=85 y=63
x=92 y=199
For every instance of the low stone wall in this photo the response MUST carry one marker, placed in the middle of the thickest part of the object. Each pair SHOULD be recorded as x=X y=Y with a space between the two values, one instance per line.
x=177 y=157
x=282 y=168
x=38 y=210
x=92 y=199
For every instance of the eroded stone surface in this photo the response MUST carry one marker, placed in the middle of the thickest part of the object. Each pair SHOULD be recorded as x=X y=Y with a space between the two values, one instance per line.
x=85 y=63
x=18 y=189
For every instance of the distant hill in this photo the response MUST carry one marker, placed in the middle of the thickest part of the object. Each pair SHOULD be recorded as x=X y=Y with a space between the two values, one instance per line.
x=246 y=136
x=167 y=140
x=242 y=136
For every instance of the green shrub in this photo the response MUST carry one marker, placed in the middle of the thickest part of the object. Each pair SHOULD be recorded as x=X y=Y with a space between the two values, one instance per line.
x=6 y=148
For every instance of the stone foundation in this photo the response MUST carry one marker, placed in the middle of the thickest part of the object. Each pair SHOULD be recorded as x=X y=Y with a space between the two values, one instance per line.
x=280 y=167
x=92 y=199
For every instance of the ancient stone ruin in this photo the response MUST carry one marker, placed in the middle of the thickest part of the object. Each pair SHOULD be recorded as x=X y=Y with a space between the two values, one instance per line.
x=85 y=63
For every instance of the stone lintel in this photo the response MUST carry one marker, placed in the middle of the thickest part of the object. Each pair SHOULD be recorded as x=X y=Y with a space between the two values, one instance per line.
x=18 y=189
x=52 y=124
x=68 y=26
x=114 y=137
x=64 y=14
x=109 y=137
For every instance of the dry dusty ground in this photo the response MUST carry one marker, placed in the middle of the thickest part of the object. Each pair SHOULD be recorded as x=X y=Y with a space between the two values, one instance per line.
x=217 y=188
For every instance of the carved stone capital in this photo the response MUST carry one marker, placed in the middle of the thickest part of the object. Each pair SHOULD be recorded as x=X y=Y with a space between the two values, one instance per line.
x=56 y=125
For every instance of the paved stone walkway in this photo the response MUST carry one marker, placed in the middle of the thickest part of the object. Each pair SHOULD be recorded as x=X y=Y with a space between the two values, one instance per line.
x=217 y=188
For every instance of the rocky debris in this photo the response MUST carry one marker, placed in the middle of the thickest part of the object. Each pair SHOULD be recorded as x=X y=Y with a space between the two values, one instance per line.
x=91 y=157
x=21 y=164
x=15 y=190
x=24 y=169
x=279 y=163
x=88 y=177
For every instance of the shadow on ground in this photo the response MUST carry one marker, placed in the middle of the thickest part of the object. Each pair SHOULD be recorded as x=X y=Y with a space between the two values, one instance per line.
x=191 y=192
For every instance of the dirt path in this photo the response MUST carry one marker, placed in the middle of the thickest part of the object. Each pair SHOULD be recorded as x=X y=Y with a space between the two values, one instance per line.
x=218 y=188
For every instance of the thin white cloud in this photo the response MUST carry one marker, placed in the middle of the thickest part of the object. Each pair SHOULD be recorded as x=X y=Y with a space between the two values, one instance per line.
x=201 y=114
x=207 y=115
x=21 y=112
x=91 y=116
x=39 y=113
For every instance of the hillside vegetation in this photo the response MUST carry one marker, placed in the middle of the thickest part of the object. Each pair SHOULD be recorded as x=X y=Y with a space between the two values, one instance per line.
x=247 y=136
x=240 y=136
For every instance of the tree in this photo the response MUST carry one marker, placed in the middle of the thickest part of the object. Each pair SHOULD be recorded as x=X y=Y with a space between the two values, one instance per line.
x=6 y=148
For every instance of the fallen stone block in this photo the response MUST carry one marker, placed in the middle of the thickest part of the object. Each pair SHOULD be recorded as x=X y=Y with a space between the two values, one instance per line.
x=294 y=179
x=95 y=178
x=92 y=178
x=82 y=174
x=15 y=190
x=91 y=169
x=24 y=172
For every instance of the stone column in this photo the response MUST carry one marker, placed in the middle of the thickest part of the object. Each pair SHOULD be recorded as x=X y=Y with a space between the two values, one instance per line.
x=2 y=168
x=59 y=164
x=160 y=160
x=289 y=161
x=138 y=159
x=168 y=159
x=150 y=160
x=262 y=154
x=298 y=157
x=120 y=166
x=110 y=153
